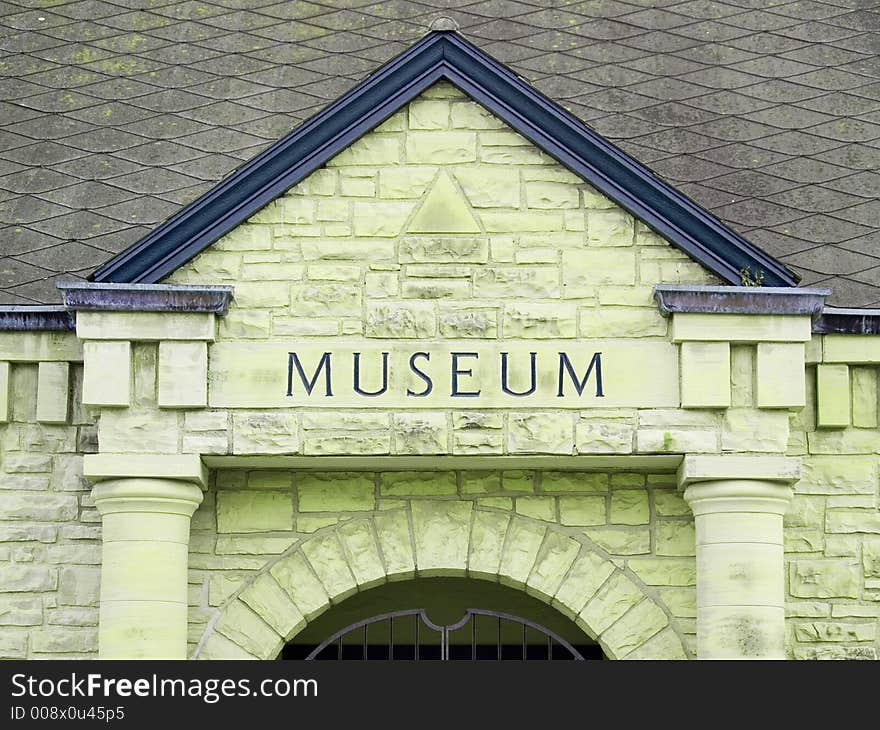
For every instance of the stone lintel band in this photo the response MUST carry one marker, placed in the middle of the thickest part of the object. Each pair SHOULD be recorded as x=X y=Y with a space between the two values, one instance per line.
x=145 y=532
x=738 y=503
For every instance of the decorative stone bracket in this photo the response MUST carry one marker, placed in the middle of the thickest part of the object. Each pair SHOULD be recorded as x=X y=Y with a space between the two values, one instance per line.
x=708 y=320
x=109 y=317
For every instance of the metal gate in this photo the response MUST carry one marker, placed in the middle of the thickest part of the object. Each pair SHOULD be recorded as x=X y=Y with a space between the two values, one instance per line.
x=479 y=635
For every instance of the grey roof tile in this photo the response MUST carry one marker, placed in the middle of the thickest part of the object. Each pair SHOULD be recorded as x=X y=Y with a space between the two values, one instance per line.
x=117 y=111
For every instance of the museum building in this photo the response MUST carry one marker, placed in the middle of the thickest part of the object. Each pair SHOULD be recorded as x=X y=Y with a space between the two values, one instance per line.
x=442 y=374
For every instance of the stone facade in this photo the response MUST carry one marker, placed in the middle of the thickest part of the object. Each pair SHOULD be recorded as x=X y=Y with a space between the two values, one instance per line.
x=441 y=226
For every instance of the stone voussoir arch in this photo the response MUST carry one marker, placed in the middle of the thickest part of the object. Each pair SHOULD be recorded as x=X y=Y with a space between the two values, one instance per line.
x=441 y=538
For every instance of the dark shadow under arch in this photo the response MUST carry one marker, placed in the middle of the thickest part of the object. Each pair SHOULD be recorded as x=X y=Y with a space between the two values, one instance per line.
x=445 y=602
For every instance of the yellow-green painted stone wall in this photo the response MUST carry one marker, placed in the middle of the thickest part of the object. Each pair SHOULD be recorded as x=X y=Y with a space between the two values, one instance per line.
x=533 y=254
x=523 y=527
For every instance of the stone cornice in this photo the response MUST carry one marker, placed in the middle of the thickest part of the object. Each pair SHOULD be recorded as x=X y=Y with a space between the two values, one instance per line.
x=93 y=297
x=675 y=298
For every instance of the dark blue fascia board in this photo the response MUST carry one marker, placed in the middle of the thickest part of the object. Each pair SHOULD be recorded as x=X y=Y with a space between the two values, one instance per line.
x=442 y=55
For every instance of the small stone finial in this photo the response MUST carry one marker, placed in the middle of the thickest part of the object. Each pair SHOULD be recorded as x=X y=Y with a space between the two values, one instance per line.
x=443 y=23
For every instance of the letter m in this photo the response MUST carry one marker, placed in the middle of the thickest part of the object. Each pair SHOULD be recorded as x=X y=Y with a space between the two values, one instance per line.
x=309 y=384
x=579 y=385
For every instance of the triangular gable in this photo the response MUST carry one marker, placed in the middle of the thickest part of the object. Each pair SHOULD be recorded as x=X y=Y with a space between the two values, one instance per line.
x=443 y=55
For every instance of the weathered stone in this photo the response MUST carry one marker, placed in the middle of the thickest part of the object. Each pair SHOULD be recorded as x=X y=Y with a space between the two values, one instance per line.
x=555 y=557
x=331 y=299
x=621 y=540
x=539 y=508
x=544 y=321
x=362 y=553
x=614 y=599
x=250 y=545
x=372 y=149
x=619 y=321
x=417 y=483
x=835 y=631
x=21 y=611
x=543 y=433
x=16 y=578
x=665 y=571
x=852 y=520
x=669 y=503
x=267 y=599
x=488 y=188
x=664 y=646
x=79 y=586
x=444 y=249
x=637 y=626
x=838 y=475
x=830 y=578
x=244 y=627
x=420 y=433
x=441 y=531
x=468 y=322
x=328 y=560
x=41 y=507
x=264 y=432
x=520 y=282
x=335 y=492
x=588 y=572
x=583 y=270
x=392 y=529
x=674 y=538
x=254 y=511
x=440 y=148
x=60 y=641
x=594 y=436
x=629 y=507
x=574 y=481
x=297 y=579
x=401 y=320
x=520 y=552
x=582 y=510
x=744 y=429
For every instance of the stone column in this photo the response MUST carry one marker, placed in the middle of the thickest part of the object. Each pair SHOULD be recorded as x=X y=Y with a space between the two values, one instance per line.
x=145 y=502
x=738 y=502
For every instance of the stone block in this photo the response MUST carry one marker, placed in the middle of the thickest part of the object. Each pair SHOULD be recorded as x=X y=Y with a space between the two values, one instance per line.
x=421 y=432
x=704 y=327
x=374 y=150
x=864 y=397
x=705 y=374
x=393 y=532
x=441 y=531
x=520 y=552
x=852 y=520
x=362 y=554
x=584 y=270
x=665 y=571
x=519 y=282
x=833 y=396
x=471 y=115
x=145 y=326
x=328 y=560
x=384 y=220
x=839 y=475
x=621 y=540
x=574 y=481
x=635 y=628
x=586 y=575
x=538 y=320
x=53 y=392
x=409 y=320
x=613 y=322
x=241 y=625
x=543 y=433
x=604 y=436
x=580 y=511
x=629 y=507
x=610 y=227
x=40 y=507
x=264 y=432
x=16 y=578
x=405 y=182
x=417 y=483
x=443 y=249
x=440 y=148
x=781 y=375
x=335 y=492
x=106 y=373
x=538 y=508
x=183 y=374
x=745 y=429
x=616 y=596
x=486 y=544
x=828 y=578
x=272 y=604
x=555 y=557
x=298 y=580
x=254 y=511
x=488 y=188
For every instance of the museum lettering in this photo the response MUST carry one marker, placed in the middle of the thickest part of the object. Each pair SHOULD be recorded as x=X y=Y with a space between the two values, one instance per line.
x=518 y=376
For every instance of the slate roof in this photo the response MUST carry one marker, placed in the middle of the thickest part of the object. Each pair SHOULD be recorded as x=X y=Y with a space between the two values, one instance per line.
x=113 y=116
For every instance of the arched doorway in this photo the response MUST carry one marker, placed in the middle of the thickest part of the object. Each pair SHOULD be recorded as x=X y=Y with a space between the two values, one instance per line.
x=442 y=619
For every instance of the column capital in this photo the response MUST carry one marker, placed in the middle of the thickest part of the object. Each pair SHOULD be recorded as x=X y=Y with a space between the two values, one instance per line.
x=182 y=467
x=696 y=468
x=148 y=496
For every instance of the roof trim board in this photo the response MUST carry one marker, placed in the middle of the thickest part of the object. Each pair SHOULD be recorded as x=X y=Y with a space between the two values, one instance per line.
x=443 y=55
